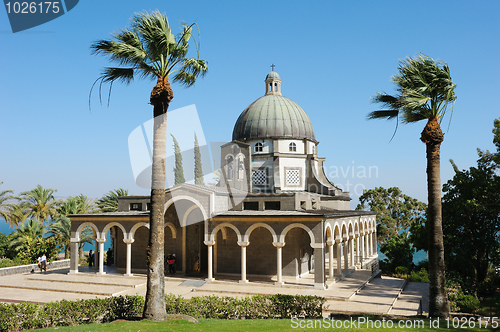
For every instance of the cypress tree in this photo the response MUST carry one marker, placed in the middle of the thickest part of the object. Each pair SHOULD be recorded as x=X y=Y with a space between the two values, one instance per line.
x=178 y=169
x=198 y=169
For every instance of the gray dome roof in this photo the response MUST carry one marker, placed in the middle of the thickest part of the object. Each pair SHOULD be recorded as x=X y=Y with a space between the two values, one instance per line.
x=273 y=75
x=273 y=116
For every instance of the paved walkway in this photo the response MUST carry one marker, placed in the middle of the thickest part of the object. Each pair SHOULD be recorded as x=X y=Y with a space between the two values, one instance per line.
x=356 y=293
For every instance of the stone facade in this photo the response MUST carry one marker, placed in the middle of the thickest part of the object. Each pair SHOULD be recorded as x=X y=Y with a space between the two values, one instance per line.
x=274 y=213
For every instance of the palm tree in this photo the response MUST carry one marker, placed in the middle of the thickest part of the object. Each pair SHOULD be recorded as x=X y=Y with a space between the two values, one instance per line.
x=5 y=196
x=40 y=202
x=109 y=202
x=76 y=205
x=17 y=214
x=27 y=233
x=425 y=92
x=61 y=225
x=149 y=49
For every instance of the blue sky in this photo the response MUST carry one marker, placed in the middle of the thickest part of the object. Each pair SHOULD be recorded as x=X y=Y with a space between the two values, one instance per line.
x=332 y=56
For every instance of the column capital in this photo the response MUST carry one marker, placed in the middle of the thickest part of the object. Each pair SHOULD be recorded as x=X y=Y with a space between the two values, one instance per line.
x=75 y=239
x=317 y=245
x=330 y=243
x=209 y=243
x=101 y=240
x=279 y=244
x=128 y=241
x=243 y=243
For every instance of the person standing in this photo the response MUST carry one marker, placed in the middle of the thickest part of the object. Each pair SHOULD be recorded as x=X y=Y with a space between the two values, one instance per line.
x=91 y=258
x=43 y=263
x=40 y=263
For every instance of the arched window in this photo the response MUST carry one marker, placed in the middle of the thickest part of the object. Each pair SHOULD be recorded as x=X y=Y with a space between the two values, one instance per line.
x=292 y=147
x=258 y=147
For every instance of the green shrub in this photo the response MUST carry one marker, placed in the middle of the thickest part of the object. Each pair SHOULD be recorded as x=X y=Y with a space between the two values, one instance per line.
x=419 y=276
x=459 y=301
x=7 y=262
x=25 y=316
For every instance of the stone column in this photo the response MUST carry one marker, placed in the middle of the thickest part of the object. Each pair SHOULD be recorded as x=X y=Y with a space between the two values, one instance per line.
x=330 y=259
x=319 y=265
x=101 y=255
x=74 y=257
x=346 y=252
x=362 y=247
x=339 y=257
x=210 y=245
x=368 y=246
x=371 y=243
x=351 y=251
x=374 y=240
x=357 y=249
x=128 y=268
x=243 y=245
x=279 y=272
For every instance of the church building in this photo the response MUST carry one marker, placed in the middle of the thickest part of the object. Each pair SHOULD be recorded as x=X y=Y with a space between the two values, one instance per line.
x=273 y=214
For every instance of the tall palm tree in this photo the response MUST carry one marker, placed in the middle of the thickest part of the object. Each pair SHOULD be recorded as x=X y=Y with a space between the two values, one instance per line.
x=40 y=202
x=425 y=92
x=109 y=202
x=149 y=49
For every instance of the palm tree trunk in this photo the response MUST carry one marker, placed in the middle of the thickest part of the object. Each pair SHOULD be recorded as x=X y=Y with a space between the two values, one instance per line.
x=154 y=307
x=439 y=306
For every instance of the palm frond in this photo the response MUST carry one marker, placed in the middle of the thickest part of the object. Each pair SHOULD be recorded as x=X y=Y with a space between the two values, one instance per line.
x=191 y=69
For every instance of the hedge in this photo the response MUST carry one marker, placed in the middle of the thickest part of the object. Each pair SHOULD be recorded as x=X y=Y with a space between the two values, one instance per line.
x=25 y=316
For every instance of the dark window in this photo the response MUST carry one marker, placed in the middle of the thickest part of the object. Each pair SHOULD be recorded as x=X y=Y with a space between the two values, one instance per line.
x=135 y=206
x=292 y=147
x=273 y=205
x=251 y=206
x=258 y=147
x=303 y=205
x=148 y=206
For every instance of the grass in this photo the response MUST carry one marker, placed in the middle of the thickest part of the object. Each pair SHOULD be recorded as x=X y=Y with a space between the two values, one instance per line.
x=245 y=325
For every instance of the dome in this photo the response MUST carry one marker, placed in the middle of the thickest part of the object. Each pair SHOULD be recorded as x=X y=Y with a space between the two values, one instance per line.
x=273 y=116
x=273 y=75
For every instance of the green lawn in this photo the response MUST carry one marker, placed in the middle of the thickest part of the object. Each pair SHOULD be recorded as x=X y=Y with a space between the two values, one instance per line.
x=250 y=325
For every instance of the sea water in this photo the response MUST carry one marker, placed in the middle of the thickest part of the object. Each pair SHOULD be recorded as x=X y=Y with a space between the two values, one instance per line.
x=6 y=229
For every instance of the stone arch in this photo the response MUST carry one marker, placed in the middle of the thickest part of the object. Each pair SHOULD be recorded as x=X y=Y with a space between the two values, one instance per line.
x=172 y=229
x=260 y=224
x=135 y=227
x=185 y=197
x=336 y=232
x=350 y=229
x=344 y=235
x=85 y=224
x=111 y=224
x=216 y=229
x=328 y=232
x=299 y=225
